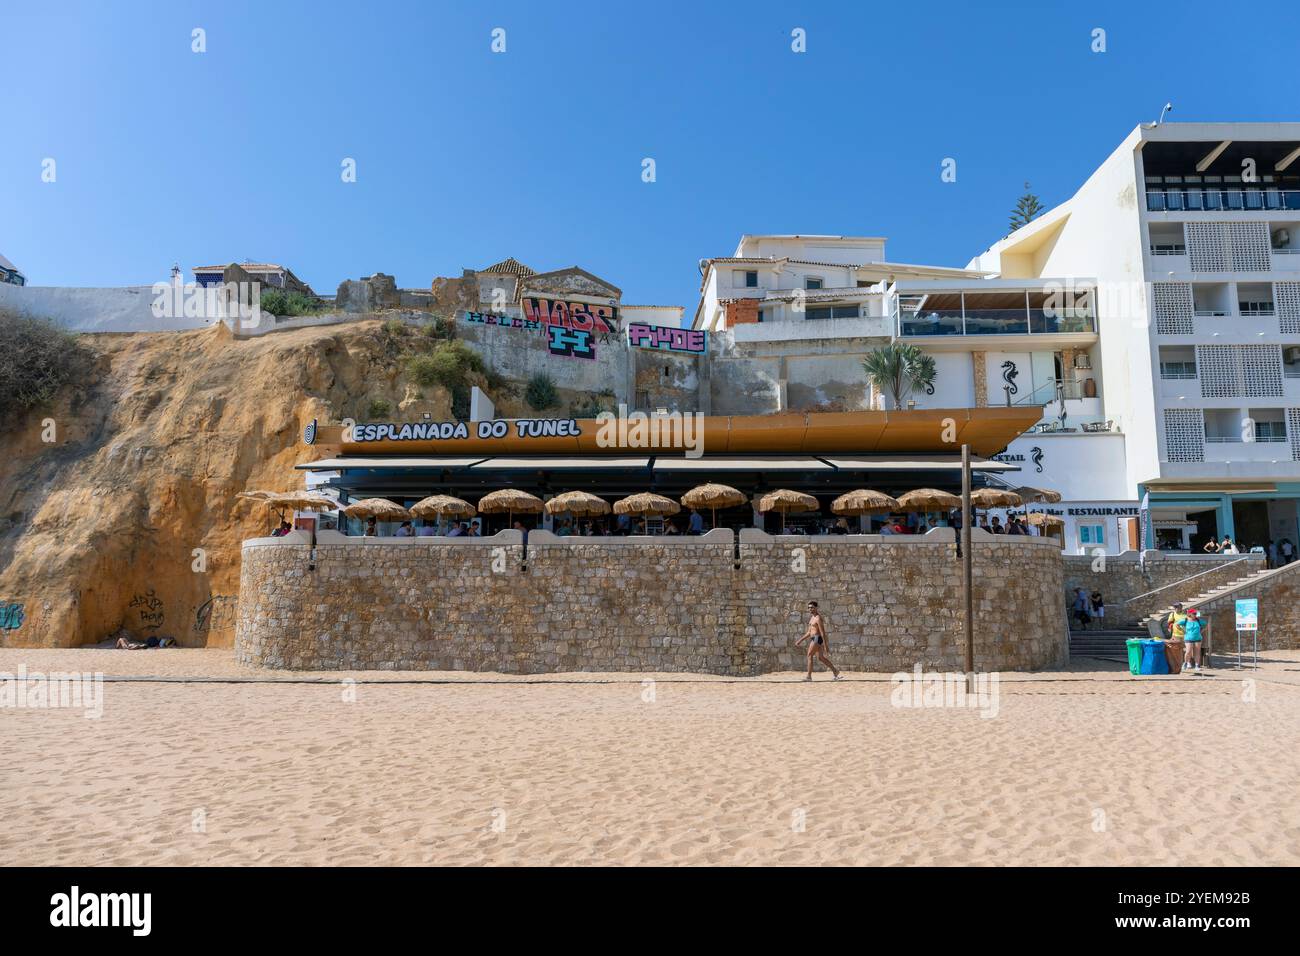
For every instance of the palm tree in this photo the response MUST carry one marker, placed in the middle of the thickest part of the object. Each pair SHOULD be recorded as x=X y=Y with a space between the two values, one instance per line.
x=897 y=369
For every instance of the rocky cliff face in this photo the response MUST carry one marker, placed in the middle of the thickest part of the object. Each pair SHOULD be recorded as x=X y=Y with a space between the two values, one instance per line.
x=128 y=517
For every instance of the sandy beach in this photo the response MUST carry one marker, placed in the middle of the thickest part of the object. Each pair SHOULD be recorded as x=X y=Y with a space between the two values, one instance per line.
x=197 y=760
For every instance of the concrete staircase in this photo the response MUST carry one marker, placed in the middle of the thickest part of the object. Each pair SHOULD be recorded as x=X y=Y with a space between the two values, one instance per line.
x=1108 y=644
x=1213 y=597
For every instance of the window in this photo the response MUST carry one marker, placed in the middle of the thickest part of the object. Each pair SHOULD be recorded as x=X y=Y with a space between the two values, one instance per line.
x=811 y=283
x=744 y=279
x=1270 y=431
x=1093 y=534
x=831 y=312
x=751 y=280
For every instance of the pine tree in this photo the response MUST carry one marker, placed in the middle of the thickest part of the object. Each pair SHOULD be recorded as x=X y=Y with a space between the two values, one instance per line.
x=1027 y=209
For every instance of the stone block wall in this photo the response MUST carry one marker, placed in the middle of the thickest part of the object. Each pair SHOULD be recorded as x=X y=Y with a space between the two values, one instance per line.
x=643 y=604
x=1279 y=614
x=1122 y=577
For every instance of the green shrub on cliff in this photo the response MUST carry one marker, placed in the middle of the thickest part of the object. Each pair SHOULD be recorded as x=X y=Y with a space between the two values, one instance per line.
x=540 y=393
x=448 y=365
x=36 y=359
x=280 y=303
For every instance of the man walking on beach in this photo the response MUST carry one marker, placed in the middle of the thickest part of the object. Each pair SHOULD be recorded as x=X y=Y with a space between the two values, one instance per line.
x=817 y=641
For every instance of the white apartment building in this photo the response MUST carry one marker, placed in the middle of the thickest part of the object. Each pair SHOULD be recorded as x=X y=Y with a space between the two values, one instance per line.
x=818 y=304
x=1190 y=233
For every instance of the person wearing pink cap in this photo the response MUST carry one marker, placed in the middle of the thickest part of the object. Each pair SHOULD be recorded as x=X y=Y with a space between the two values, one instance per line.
x=1192 y=637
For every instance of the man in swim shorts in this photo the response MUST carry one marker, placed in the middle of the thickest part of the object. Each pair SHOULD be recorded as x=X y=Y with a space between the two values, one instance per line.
x=817 y=641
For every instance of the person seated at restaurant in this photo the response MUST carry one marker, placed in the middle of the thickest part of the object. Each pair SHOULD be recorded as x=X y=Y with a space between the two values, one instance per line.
x=1014 y=526
x=475 y=530
x=457 y=530
x=670 y=527
x=841 y=526
x=281 y=531
x=696 y=525
x=984 y=524
x=624 y=524
x=996 y=526
x=1211 y=547
x=1227 y=547
x=519 y=526
x=372 y=528
x=405 y=530
x=426 y=529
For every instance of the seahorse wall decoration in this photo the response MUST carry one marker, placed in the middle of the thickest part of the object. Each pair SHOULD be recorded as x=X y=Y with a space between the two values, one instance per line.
x=1009 y=373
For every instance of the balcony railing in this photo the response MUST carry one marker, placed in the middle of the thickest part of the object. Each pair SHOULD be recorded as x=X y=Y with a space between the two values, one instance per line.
x=1255 y=308
x=1238 y=439
x=1178 y=370
x=1198 y=199
x=1171 y=249
x=1025 y=321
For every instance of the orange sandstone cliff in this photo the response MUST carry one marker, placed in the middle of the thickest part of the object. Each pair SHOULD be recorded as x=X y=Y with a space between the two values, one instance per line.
x=129 y=517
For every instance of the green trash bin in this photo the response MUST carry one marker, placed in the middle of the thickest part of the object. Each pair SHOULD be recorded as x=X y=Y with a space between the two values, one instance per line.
x=1134 y=655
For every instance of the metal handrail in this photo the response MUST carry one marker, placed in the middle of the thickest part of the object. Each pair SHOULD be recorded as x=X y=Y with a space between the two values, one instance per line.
x=1174 y=584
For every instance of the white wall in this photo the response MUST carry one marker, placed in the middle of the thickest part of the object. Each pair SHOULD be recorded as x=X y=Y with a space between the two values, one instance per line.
x=127 y=309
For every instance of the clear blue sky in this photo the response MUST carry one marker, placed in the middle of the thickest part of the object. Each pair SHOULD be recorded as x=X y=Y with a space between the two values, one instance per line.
x=465 y=156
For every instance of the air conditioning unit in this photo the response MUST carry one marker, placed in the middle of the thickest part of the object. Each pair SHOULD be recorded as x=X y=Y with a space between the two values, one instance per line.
x=1082 y=360
x=1291 y=354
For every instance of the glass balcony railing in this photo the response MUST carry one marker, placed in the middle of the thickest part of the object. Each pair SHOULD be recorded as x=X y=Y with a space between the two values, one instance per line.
x=1214 y=198
x=995 y=322
x=932 y=322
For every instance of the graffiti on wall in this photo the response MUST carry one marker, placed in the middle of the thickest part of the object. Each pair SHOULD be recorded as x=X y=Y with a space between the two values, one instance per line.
x=667 y=338
x=216 y=612
x=568 y=333
x=11 y=616
x=579 y=316
x=574 y=343
x=150 y=607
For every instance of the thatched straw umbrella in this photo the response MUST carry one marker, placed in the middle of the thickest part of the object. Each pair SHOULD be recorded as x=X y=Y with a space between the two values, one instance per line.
x=928 y=499
x=299 y=500
x=864 y=502
x=509 y=500
x=379 y=508
x=994 y=498
x=784 y=500
x=302 y=501
x=713 y=497
x=646 y=503
x=435 y=506
x=1049 y=523
x=579 y=504
x=1028 y=494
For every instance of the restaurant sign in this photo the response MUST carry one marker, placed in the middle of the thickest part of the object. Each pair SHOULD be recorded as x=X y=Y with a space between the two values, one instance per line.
x=446 y=431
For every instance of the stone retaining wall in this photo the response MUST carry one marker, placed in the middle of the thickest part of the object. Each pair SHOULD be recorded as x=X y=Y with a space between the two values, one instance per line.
x=1121 y=577
x=644 y=604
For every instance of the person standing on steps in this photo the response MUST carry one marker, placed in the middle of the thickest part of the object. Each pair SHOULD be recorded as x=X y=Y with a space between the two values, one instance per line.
x=818 y=643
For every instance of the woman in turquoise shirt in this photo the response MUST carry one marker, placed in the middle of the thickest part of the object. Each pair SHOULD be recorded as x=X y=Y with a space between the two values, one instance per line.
x=1192 y=635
